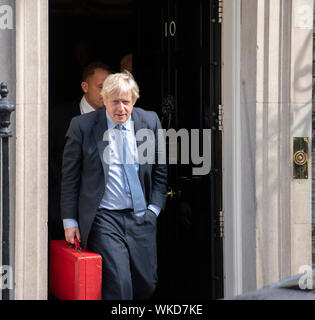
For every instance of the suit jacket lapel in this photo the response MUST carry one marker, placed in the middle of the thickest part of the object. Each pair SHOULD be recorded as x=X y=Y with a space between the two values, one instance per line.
x=99 y=129
x=139 y=124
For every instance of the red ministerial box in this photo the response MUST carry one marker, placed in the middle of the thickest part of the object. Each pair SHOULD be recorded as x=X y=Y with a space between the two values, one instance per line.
x=74 y=274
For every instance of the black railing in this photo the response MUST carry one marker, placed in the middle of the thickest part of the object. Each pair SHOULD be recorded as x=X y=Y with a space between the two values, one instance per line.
x=5 y=113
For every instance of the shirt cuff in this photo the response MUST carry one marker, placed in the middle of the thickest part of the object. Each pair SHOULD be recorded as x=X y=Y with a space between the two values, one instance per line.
x=154 y=208
x=70 y=223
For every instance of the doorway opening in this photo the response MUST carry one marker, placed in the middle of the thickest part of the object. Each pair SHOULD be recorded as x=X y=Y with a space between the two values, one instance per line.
x=175 y=62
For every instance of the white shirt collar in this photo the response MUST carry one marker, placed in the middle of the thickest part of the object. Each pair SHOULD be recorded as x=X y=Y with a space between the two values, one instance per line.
x=85 y=107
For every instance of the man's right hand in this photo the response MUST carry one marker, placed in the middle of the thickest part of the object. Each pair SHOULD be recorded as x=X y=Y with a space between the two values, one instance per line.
x=71 y=233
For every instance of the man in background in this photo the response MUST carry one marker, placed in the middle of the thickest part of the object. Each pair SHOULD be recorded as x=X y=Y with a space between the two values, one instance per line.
x=93 y=77
x=126 y=63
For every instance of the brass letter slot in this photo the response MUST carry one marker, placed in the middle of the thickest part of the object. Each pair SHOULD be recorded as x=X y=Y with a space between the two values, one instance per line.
x=300 y=158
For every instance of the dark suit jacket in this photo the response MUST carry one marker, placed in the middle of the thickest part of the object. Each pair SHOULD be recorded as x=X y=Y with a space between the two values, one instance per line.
x=59 y=119
x=84 y=172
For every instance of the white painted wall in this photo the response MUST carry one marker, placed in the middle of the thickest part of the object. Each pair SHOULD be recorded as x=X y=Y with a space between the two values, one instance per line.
x=267 y=213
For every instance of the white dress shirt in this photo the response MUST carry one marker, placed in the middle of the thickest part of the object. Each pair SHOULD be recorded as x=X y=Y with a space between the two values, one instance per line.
x=85 y=107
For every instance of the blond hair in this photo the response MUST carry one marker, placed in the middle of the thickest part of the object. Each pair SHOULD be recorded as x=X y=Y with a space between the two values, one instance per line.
x=120 y=82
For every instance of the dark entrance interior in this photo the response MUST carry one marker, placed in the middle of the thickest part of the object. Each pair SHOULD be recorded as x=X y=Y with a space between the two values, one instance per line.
x=176 y=53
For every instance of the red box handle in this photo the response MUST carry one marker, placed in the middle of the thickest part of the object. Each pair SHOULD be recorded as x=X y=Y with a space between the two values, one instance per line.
x=77 y=244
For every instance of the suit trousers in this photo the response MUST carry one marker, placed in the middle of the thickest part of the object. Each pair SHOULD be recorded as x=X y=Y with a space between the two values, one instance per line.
x=127 y=244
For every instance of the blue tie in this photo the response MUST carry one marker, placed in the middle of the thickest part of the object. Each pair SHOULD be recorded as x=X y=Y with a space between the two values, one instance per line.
x=132 y=185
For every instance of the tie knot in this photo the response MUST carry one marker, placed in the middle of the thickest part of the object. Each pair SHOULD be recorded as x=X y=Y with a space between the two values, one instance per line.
x=120 y=127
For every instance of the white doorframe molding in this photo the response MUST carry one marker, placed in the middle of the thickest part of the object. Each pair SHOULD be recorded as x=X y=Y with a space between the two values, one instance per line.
x=232 y=187
x=31 y=250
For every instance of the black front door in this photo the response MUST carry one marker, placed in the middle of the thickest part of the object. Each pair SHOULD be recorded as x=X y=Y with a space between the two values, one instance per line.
x=176 y=59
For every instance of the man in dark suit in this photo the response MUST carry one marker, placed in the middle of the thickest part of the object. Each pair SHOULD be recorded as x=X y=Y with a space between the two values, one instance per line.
x=110 y=198
x=93 y=77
